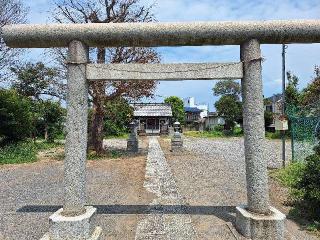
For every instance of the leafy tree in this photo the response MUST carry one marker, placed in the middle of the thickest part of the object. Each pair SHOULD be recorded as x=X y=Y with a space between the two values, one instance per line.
x=177 y=108
x=227 y=87
x=118 y=116
x=51 y=118
x=16 y=118
x=292 y=94
x=37 y=80
x=229 y=105
x=230 y=109
x=12 y=12
x=110 y=11
x=310 y=98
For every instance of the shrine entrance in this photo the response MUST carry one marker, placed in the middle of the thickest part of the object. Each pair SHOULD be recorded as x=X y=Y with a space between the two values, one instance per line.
x=257 y=220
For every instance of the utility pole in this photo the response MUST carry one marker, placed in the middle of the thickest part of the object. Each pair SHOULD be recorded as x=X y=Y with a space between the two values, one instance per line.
x=284 y=47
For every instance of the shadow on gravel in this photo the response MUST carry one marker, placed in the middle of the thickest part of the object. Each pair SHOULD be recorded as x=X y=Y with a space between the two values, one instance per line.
x=223 y=212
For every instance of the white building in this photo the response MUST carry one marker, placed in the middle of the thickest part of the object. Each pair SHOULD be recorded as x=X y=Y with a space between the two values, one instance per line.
x=190 y=102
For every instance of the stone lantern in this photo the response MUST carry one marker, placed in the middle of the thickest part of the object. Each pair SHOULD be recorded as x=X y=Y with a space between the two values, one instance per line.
x=133 y=142
x=176 y=140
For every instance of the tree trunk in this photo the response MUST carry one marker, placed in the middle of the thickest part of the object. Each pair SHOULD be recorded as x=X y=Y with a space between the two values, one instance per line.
x=46 y=132
x=97 y=132
x=98 y=92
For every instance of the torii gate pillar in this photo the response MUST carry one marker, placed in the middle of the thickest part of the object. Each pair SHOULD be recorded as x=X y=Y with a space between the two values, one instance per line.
x=73 y=221
x=257 y=220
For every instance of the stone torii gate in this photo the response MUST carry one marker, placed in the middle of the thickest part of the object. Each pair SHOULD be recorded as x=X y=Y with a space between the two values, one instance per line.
x=257 y=220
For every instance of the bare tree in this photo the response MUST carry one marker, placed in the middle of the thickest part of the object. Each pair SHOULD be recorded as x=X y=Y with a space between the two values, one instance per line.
x=11 y=12
x=110 y=11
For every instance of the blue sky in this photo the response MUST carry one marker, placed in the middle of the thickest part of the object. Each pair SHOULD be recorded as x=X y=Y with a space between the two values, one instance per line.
x=301 y=58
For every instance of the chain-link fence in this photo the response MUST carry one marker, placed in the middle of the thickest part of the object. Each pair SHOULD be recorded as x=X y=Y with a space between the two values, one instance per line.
x=305 y=129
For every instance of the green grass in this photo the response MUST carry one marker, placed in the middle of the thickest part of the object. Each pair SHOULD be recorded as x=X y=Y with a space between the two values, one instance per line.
x=211 y=134
x=237 y=132
x=276 y=135
x=108 y=154
x=122 y=136
x=23 y=152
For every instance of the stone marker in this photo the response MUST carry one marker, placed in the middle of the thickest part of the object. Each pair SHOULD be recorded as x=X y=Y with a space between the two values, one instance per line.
x=133 y=142
x=176 y=140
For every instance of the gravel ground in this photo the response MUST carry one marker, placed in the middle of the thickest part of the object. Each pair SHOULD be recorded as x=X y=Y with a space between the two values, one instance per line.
x=202 y=184
x=234 y=148
x=211 y=173
x=30 y=193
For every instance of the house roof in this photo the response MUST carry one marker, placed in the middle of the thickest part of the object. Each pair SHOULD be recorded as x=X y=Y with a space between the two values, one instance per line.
x=213 y=114
x=274 y=98
x=192 y=109
x=152 y=110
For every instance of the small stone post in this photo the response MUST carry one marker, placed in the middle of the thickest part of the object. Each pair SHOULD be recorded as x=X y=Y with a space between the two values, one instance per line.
x=257 y=220
x=133 y=142
x=176 y=140
x=73 y=221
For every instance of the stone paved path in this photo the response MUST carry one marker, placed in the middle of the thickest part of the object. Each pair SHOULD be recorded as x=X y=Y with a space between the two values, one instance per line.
x=167 y=218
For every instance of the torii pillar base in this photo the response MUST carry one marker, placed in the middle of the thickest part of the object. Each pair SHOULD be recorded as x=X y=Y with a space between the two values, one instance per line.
x=73 y=227
x=262 y=227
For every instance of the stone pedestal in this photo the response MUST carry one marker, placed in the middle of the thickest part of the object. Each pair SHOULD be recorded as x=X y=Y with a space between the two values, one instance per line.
x=176 y=142
x=73 y=227
x=132 y=145
x=262 y=227
x=133 y=142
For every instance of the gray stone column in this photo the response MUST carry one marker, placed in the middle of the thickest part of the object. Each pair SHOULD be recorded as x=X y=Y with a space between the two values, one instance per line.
x=74 y=220
x=253 y=125
x=76 y=140
x=257 y=220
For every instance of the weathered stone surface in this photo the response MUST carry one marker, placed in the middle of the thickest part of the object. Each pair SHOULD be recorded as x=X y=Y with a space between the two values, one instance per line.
x=132 y=145
x=260 y=227
x=76 y=139
x=253 y=126
x=73 y=228
x=160 y=181
x=162 y=34
x=176 y=142
x=185 y=71
x=133 y=141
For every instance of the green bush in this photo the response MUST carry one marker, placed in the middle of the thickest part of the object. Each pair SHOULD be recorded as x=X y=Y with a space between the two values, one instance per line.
x=50 y=120
x=290 y=176
x=277 y=135
x=18 y=153
x=218 y=128
x=16 y=116
x=303 y=181
x=309 y=185
x=23 y=152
